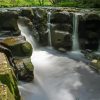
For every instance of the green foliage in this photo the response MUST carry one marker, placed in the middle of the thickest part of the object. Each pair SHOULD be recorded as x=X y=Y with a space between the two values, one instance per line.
x=55 y=1
x=90 y=3
x=62 y=3
x=68 y=4
x=9 y=3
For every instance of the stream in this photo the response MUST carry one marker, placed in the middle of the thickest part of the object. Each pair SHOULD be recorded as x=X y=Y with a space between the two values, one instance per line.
x=59 y=76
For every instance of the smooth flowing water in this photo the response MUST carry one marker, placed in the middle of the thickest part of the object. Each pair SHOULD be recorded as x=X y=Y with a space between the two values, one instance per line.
x=75 y=46
x=49 y=32
x=60 y=76
x=27 y=32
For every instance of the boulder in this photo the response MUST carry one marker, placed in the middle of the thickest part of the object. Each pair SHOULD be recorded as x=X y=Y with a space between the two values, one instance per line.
x=18 y=46
x=27 y=13
x=89 y=31
x=25 y=69
x=22 y=49
x=60 y=17
x=40 y=23
x=8 y=78
x=61 y=29
x=61 y=39
x=92 y=16
x=8 y=22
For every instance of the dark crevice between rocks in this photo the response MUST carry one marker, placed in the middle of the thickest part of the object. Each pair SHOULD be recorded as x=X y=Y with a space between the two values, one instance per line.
x=89 y=33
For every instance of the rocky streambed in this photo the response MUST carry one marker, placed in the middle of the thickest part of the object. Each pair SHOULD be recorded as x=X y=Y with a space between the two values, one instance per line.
x=48 y=27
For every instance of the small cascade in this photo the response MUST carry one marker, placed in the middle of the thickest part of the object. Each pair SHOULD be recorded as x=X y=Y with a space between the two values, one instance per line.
x=49 y=32
x=75 y=46
x=25 y=31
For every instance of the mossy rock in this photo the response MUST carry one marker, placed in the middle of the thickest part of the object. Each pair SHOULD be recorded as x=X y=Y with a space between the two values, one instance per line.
x=21 y=50
x=60 y=17
x=8 y=20
x=26 y=48
x=18 y=46
x=27 y=13
x=5 y=93
x=25 y=69
x=7 y=76
x=40 y=24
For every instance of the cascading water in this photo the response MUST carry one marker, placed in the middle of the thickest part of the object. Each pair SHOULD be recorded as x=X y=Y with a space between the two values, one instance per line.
x=58 y=77
x=49 y=32
x=27 y=32
x=75 y=46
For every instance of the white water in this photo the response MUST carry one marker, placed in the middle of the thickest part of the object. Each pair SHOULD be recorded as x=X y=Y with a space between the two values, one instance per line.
x=49 y=32
x=75 y=46
x=27 y=33
x=59 y=77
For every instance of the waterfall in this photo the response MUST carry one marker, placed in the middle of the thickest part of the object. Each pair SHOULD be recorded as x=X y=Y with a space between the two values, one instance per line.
x=57 y=76
x=49 y=32
x=75 y=46
x=27 y=32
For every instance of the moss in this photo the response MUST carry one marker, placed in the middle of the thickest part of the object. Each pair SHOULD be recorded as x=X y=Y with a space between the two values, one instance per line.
x=28 y=63
x=18 y=45
x=26 y=48
x=8 y=78
x=21 y=49
x=5 y=93
x=26 y=69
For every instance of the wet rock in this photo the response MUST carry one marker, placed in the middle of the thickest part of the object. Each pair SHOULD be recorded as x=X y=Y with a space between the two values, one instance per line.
x=89 y=31
x=40 y=23
x=4 y=33
x=22 y=49
x=8 y=22
x=62 y=50
x=8 y=78
x=61 y=30
x=27 y=13
x=92 y=16
x=26 y=48
x=62 y=27
x=28 y=25
x=18 y=46
x=61 y=39
x=25 y=69
x=60 y=17
x=90 y=55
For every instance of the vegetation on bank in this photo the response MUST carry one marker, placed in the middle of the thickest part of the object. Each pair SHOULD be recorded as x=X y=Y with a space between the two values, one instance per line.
x=62 y=3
